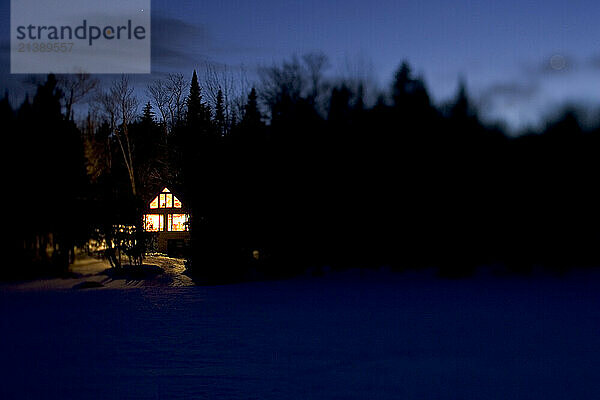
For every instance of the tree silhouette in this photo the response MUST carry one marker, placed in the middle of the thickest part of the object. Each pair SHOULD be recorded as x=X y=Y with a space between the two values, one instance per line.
x=198 y=112
x=323 y=177
x=219 y=120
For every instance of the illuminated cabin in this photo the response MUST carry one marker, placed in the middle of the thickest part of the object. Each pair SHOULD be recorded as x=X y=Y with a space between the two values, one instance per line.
x=168 y=218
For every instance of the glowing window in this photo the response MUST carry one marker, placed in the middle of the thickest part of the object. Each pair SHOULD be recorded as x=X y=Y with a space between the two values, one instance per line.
x=176 y=202
x=166 y=200
x=154 y=222
x=178 y=222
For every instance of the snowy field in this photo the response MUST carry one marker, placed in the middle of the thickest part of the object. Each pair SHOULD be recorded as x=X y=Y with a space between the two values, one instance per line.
x=350 y=335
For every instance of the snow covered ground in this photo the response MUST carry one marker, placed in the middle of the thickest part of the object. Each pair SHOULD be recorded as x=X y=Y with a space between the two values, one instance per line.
x=92 y=270
x=347 y=335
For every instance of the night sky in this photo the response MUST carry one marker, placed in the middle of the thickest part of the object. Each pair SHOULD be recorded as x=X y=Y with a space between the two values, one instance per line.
x=521 y=59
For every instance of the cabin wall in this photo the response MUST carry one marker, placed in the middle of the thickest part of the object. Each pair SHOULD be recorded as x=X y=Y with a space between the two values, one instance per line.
x=165 y=237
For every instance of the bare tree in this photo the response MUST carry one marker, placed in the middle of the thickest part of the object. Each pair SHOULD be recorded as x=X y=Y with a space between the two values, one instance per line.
x=240 y=98
x=295 y=80
x=161 y=98
x=97 y=149
x=120 y=106
x=168 y=96
x=286 y=81
x=357 y=73
x=233 y=85
x=75 y=87
x=315 y=65
x=177 y=85
x=286 y=78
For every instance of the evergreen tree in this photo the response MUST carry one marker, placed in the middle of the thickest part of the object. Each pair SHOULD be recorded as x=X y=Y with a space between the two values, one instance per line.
x=194 y=101
x=220 y=124
x=148 y=114
x=461 y=108
x=148 y=142
x=198 y=113
x=46 y=101
x=339 y=105
x=252 y=116
x=6 y=111
x=359 y=103
x=409 y=93
x=403 y=85
x=195 y=144
x=251 y=129
x=52 y=162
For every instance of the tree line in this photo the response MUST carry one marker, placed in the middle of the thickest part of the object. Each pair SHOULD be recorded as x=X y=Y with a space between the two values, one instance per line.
x=298 y=170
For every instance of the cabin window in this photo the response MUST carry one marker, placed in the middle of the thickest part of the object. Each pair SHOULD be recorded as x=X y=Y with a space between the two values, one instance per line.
x=177 y=222
x=165 y=200
x=154 y=222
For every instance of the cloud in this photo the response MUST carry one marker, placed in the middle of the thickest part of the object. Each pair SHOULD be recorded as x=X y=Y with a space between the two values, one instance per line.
x=168 y=31
x=177 y=44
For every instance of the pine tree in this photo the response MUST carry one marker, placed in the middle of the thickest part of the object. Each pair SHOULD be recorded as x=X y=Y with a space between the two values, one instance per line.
x=252 y=116
x=194 y=102
x=339 y=106
x=46 y=101
x=6 y=111
x=220 y=115
x=250 y=129
x=147 y=115
x=403 y=85
x=359 y=103
x=52 y=162
x=198 y=113
x=461 y=108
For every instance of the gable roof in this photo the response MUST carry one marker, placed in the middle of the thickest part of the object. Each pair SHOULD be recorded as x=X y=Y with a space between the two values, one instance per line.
x=165 y=199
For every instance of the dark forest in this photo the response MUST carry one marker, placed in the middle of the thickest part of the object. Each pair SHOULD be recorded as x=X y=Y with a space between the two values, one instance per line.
x=303 y=170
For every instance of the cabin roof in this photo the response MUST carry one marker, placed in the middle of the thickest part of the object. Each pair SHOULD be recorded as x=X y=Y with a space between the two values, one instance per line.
x=165 y=199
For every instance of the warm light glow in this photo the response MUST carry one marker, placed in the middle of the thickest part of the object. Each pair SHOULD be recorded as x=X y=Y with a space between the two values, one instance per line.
x=178 y=222
x=154 y=222
x=176 y=202
x=166 y=201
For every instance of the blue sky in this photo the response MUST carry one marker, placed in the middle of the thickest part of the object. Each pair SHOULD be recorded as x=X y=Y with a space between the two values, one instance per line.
x=520 y=59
